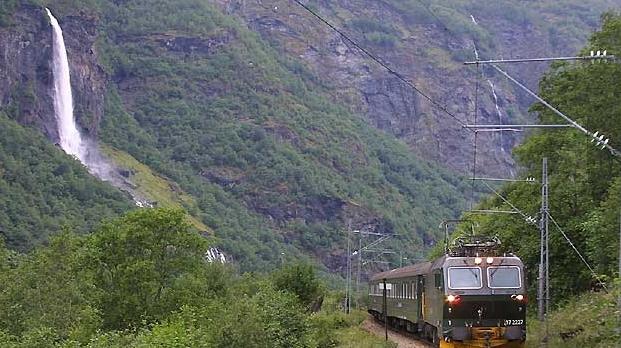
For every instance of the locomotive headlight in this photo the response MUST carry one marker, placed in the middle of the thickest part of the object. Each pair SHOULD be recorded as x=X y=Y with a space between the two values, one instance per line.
x=489 y=260
x=452 y=299
x=478 y=260
x=518 y=297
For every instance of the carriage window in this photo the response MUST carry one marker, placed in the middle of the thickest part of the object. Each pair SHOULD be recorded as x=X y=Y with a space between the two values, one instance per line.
x=464 y=278
x=506 y=277
x=438 y=281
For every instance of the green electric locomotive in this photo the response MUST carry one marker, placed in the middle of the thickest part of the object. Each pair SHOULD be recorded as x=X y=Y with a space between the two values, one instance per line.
x=470 y=297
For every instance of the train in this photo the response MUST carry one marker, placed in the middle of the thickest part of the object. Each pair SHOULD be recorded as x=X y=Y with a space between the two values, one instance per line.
x=472 y=296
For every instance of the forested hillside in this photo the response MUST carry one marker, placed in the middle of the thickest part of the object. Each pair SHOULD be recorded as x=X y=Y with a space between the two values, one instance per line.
x=245 y=136
x=42 y=190
x=272 y=165
x=585 y=181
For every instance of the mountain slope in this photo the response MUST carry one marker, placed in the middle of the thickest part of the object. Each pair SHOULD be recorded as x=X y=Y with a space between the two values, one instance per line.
x=275 y=168
x=275 y=164
x=427 y=41
x=268 y=157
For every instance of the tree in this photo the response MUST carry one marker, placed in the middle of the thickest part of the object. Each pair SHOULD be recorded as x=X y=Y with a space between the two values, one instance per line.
x=148 y=264
x=50 y=292
x=299 y=279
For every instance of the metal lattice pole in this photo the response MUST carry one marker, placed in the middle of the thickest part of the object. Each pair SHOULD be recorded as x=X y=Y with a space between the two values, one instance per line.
x=546 y=215
x=359 y=270
x=543 y=287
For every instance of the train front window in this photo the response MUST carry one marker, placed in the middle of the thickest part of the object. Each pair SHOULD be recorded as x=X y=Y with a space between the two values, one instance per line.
x=505 y=277
x=464 y=278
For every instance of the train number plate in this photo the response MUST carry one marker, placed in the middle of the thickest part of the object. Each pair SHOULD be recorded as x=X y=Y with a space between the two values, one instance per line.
x=511 y=322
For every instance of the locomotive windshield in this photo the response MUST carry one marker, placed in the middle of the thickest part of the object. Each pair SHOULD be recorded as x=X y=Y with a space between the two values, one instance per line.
x=464 y=278
x=506 y=277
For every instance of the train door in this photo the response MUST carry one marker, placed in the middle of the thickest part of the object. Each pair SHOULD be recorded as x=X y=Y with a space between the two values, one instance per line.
x=420 y=303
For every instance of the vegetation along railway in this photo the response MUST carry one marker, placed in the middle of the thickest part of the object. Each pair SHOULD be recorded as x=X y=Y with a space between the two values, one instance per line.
x=472 y=296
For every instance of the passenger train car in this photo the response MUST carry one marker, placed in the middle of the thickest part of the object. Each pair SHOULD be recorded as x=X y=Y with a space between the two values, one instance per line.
x=470 y=297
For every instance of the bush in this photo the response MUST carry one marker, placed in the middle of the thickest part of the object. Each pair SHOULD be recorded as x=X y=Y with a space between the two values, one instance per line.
x=300 y=280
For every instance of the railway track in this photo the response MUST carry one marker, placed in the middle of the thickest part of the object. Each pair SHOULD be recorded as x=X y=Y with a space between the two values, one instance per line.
x=402 y=339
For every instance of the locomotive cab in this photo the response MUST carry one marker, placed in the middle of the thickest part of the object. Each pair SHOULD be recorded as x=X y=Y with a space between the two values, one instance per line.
x=484 y=299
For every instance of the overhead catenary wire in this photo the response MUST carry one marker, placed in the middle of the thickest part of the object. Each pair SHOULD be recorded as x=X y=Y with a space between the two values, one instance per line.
x=616 y=154
x=573 y=246
x=529 y=219
x=443 y=108
x=578 y=253
x=379 y=61
x=404 y=80
x=576 y=125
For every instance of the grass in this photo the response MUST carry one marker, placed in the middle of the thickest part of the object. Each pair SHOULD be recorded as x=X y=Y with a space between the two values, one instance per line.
x=154 y=187
x=588 y=320
x=356 y=337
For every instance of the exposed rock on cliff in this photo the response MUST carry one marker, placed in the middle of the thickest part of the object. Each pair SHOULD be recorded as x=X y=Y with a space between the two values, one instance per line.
x=427 y=42
x=26 y=72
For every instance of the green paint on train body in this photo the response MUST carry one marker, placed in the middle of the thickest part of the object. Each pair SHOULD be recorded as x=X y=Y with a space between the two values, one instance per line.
x=452 y=295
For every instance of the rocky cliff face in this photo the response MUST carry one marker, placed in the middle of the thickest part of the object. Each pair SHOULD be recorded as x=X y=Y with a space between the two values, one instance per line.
x=421 y=47
x=427 y=44
x=26 y=72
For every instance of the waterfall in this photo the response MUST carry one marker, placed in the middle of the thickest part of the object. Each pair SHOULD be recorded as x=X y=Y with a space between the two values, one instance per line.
x=71 y=141
x=498 y=112
x=70 y=137
x=492 y=87
x=474 y=44
x=474 y=20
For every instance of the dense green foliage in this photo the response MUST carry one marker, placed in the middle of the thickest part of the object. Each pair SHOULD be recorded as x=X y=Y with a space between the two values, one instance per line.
x=588 y=320
x=148 y=265
x=585 y=182
x=271 y=164
x=269 y=159
x=375 y=33
x=42 y=190
x=300 y=280
x=253 y=136
x=141 y=281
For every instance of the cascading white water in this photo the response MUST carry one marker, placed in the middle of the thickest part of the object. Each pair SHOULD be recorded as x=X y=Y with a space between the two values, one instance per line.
x=492 y=87
x=71 y=141
x=498 y=112
x=70 y=137
x=474 y=20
